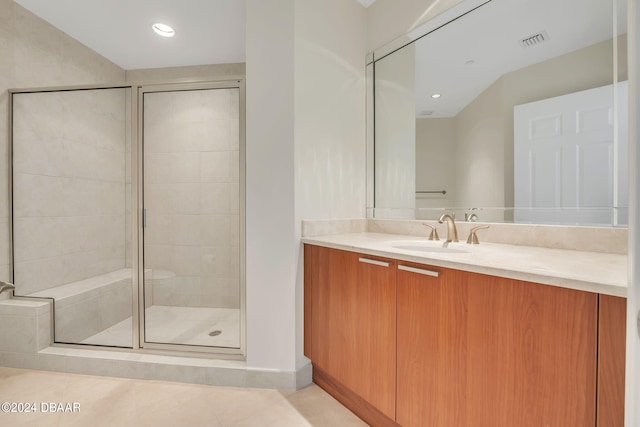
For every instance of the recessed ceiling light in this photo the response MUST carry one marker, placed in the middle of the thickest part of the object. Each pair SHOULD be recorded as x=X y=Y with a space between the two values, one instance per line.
x=163 y=30
x=436 y=95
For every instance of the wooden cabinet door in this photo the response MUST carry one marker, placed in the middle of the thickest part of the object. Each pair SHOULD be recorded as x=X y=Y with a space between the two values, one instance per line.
x=482 y=351
x=432 y=347
x=353 y=327
x=612 y=330
x=531 y=357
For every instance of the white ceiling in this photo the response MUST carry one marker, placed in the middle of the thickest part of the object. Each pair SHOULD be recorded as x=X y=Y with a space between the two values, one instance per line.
x=213 y=32
x=489 y=36
x=207 y=31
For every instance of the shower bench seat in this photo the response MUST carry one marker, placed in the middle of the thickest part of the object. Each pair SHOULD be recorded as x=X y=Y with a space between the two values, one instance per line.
x=89 y=306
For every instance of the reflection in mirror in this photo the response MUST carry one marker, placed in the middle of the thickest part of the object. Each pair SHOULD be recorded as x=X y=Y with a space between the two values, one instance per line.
x=515 y=111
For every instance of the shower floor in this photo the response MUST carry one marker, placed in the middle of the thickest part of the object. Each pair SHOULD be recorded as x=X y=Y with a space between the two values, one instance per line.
x=178 y=325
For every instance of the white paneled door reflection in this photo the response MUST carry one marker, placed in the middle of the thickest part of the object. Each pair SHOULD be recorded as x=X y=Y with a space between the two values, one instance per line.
x=570 y=166
x=191 y=197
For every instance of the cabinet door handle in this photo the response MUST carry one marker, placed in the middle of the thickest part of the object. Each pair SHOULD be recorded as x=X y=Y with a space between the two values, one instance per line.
x=374 y=262
x=419 y=271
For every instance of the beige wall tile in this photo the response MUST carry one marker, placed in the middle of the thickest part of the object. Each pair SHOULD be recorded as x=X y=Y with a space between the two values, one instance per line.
x=157 y=168
x=78 y=321
x=40 y=237
x=216 y=198
x=185 y=199
x=115 y=303
x=186 y=230
x=18 y=334
x=180 y=291
x=45 y=335
x=5 y=254
x=216 y=230
x=216 y=261
x=216 y=166
x=186 y=260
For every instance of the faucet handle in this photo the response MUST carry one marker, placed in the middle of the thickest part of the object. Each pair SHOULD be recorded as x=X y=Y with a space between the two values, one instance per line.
x=473 y=238
x=434 y=232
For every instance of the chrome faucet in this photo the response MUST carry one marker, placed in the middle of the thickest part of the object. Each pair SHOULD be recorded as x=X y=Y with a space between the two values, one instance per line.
x=470 y=215
x=452 y=231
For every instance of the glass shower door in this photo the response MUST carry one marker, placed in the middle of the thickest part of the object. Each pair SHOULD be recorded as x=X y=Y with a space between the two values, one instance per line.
x=192 y=215
x=71 y=210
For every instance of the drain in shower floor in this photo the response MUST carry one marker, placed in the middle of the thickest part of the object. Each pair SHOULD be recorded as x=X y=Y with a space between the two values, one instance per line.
x=214 y=333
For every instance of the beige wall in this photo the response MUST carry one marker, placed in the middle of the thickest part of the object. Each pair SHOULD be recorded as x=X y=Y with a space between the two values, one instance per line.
x=435 y=155
x=35 y=54
x=329 y=128
x=329 y=108
x=480 y=157
x=305 y=120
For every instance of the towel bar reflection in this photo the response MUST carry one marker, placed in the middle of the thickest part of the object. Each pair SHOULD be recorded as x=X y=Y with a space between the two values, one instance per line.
x=432 y=192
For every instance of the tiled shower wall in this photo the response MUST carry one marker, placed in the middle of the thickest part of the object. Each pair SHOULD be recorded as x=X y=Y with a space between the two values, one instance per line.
x=69 y=186
x=35 y=54
x=191 y=172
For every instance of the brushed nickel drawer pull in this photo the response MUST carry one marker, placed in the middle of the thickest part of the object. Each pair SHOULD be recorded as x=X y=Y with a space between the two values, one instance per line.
x=374 y=262
x=419 y=271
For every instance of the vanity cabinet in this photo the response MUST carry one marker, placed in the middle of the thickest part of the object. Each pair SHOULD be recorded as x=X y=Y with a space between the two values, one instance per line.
x=612 y=335
x=351 y=321
x=470 y=349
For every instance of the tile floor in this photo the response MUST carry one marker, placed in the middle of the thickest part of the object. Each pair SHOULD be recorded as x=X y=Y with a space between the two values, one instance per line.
x=106 y=401
x=178 y=325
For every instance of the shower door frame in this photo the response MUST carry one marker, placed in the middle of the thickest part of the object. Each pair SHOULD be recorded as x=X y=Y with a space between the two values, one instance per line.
x=137 y=215
x=137 y=170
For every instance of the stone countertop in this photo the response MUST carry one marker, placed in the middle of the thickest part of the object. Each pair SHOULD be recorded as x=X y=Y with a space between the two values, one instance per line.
x=587 y=271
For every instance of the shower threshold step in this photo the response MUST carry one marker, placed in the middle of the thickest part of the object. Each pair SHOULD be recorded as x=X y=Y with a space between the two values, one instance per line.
x=130 y=364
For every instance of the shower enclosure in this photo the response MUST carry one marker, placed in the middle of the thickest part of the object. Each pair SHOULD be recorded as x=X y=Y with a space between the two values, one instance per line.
x=128 y=213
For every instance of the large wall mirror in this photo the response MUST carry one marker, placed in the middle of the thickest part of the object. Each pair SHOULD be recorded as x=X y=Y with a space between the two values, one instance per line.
x=513 y=111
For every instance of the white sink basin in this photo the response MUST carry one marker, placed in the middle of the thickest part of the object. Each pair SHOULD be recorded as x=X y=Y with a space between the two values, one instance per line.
x=428 y=246
x=420 y=248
